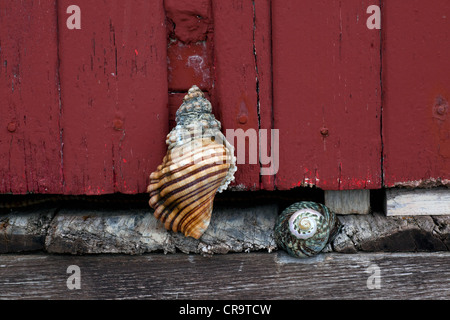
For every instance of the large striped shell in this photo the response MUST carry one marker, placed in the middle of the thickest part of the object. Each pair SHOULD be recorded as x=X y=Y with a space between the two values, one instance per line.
x=305 y=228
x=199 y=162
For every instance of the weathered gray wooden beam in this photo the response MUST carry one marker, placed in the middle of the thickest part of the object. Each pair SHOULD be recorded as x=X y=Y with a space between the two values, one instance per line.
x=348 y=201
x=232 y=229
x=260 y=276
x=411 y=202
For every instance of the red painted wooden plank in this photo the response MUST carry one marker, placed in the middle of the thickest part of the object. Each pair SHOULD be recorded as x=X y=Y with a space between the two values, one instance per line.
x=30 y=159
x=263 y=59
x=189 y=64
x=416 y=91
x=114 y=95
x=188 y=20
x=189 y=54
x=235 y=91
x=326 y=78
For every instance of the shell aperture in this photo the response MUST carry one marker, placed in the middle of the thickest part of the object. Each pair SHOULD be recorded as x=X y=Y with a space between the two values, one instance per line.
x=305 y=228
x=199 y=163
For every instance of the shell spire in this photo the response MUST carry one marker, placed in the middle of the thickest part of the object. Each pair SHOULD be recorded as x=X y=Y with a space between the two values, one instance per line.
x=199 y=163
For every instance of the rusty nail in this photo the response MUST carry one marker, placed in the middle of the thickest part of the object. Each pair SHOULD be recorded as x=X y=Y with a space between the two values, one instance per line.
x=12 y=126
x=243 y=119
x=324 y=132
x=118 y=124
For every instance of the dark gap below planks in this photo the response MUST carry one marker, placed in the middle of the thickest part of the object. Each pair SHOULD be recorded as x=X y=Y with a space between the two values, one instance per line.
x=121 y=201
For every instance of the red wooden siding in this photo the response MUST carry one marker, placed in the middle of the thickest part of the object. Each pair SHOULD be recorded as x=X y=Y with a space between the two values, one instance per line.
x=190 y=50
x=262 y=41
x=236 y=78
x=230 y=59
x=189 y=56
x=114 y=95
x=416 y=86
x=30 y=158
x=327 y=96
x=87 y=111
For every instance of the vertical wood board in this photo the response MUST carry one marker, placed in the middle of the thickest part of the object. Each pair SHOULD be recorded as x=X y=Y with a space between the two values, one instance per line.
x=30 y=153
x=189 y=52
x=268 y=149
x=114 y=95
x=348 y=201
x=327 y=97
x=235 y=92
x=416 y=92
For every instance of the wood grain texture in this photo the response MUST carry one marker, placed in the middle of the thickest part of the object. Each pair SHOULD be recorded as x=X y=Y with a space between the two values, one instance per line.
x=416 y=92
x=263 y=59
x=327 y=95
x=403 y=202
x=30 y=149
x=189 y=64
x=235 y=92
x=238 y=276
x=190 y=47
x=348 y=201
x=114 y=95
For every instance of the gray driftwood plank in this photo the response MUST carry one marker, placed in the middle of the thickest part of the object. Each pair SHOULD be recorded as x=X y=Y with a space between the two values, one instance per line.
x=231 y=276
x=414 y=202
x=348 y=201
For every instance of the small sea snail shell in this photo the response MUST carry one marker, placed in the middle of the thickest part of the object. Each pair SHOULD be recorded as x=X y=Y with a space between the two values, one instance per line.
x=305 y=228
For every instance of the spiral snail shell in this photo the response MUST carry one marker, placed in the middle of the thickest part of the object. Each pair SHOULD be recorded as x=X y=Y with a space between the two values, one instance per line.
x=305 y=228
x=199 y=163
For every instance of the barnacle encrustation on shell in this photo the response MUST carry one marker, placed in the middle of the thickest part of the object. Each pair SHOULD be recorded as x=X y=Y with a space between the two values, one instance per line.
x=199 y=163
x=305 y=228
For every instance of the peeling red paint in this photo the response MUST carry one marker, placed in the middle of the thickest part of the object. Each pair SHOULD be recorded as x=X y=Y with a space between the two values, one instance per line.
x=85 y=83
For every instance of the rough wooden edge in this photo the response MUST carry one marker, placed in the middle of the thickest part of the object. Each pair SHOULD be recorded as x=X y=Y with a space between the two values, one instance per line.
x=348 y=201
x=416 y=202
x=260 y=276
x=232 y=229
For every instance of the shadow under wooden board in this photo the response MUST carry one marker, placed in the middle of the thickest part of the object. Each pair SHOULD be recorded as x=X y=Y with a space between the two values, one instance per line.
x=234 y=276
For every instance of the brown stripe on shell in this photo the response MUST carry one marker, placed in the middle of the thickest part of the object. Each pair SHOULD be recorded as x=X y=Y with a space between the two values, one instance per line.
x=159 y=189
x=182 y=193
x=199 y=163
x=187 y=206
x=176 y=200
x=169 y=161
x=174 y=173
x=188 y=174
x=174 y=205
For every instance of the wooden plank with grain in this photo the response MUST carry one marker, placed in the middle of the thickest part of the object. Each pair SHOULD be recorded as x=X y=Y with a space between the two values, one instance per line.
x=30 y=145
x=114 y=95
x=249 y=276
x=327 y=95
x=416 y=93
x=268 y=148
x=413 y=202
x=348 y=201
x=235 y=92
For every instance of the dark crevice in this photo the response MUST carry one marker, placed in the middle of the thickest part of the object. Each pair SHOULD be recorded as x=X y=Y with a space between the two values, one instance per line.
x=382 y=102
x=58 y=76
x=257 y=82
